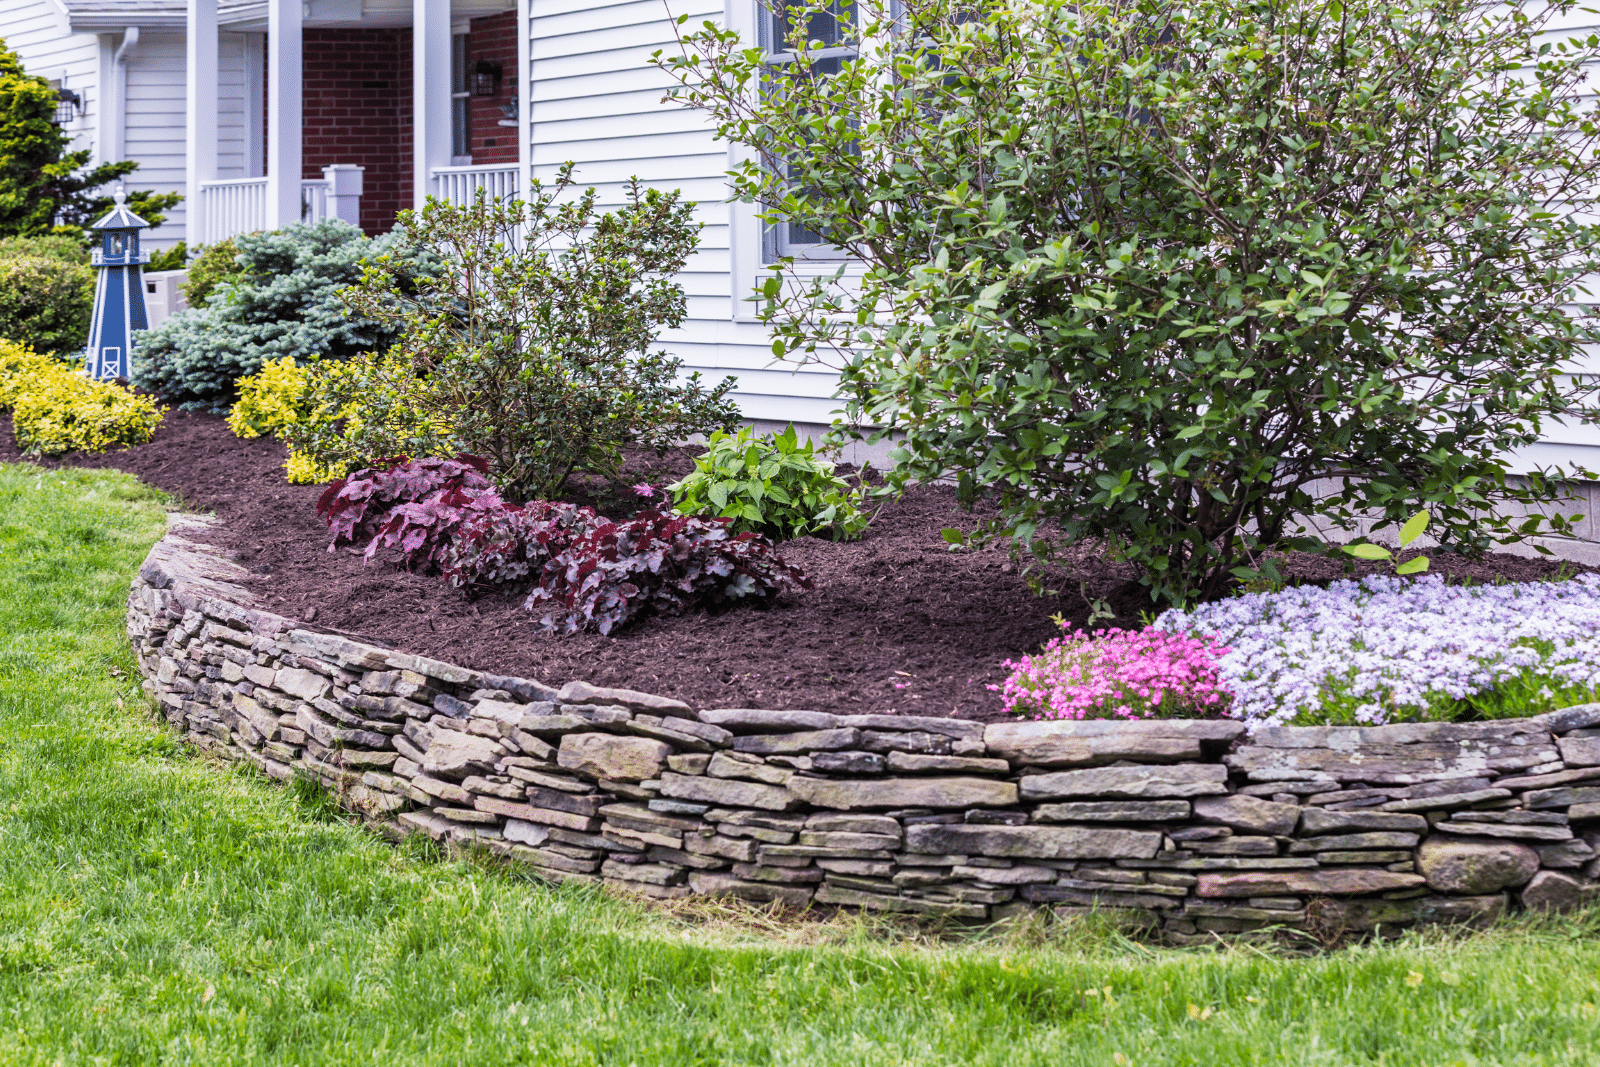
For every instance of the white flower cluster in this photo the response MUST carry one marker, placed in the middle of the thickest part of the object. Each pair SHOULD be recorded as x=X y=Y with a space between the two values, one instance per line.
x=1389 y=649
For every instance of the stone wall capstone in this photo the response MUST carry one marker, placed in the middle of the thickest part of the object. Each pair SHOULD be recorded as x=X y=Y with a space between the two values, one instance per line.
x=1190 y=828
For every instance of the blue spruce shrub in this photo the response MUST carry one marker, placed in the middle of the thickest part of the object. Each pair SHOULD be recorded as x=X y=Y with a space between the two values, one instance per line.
x=283 y=302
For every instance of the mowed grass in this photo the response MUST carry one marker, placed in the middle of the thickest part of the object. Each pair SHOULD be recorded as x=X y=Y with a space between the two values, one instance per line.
x=156 y=907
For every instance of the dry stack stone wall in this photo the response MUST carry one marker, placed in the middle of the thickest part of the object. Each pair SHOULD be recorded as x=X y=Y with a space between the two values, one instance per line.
x=1189 y=826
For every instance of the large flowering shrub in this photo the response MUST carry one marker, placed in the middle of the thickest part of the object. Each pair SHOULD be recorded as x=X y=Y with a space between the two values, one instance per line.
x=1114 y=673
x=1386 y=649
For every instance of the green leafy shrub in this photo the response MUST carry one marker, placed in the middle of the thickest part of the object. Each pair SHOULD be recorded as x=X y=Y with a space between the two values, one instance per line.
x=283 y=301
x=215 y=264
x=1175 y=278
x=46 y=295
x=770 y=484
x=56 y=408
x=530 y=345
x=271 y=402
x=174 y=258
x=362 y=411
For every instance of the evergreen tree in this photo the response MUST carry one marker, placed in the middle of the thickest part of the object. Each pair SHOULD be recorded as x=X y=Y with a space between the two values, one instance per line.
x=43 y=187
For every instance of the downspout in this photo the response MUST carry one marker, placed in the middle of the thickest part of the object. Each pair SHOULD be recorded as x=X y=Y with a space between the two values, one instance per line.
x=119 y=66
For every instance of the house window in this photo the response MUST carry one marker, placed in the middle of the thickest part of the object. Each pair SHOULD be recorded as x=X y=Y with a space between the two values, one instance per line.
x=460 y=103
x=834 y=29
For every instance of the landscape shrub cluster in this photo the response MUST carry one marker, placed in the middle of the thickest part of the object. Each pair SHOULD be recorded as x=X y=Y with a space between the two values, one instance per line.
x=56 y=408
x=271 y=402
x=530 y=344
x=281 y=299
x=585 y=571
x=46 y=293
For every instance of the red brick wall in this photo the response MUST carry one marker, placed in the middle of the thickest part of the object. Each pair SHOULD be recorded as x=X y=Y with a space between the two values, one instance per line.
x=356 y=96
x=494 y=38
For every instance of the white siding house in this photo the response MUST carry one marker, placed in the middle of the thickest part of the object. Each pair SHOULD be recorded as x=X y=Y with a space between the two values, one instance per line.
x=237 y=104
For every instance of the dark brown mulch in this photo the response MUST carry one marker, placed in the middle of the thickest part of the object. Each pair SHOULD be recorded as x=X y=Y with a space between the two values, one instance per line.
x=896 y=622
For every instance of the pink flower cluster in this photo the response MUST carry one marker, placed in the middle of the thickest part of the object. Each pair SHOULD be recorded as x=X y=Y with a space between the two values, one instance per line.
x=1117 y=674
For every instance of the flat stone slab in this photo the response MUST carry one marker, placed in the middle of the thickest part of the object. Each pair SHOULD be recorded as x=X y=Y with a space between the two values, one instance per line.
x=1056 y=743
x=1341 y=881
x=848 y=794
x=1114 y=811
x=1129 y=783
x=1033 y=842
x=1248 y=813
x=1318 y=821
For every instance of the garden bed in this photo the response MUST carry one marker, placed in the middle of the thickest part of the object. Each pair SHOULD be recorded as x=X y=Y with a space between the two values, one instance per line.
x=895 y=624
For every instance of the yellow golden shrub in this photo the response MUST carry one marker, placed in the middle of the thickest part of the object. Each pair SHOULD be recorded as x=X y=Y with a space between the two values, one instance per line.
x=57 y=408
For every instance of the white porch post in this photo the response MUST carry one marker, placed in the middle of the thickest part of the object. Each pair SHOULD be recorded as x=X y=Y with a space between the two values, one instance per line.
x=200 y=114
x=524 y=98
x=283 y=112
x=430 y=87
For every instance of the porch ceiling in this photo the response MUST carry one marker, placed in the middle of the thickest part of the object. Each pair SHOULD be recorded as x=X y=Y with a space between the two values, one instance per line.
x=251 y=15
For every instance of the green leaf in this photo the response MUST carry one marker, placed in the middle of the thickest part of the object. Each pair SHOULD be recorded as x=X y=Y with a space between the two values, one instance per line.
x=1413 y=566
x=1414 y=527
x=953 y=536
x=1365 y=551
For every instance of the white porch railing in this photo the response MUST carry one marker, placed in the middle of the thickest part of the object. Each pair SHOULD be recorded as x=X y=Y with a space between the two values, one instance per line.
x=239 y=205
x=231 y=207
x=460 y=185
x=314 y=201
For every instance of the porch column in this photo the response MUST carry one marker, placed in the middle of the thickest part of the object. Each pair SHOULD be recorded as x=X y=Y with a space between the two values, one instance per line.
x=283 y=112
x=430 y=86
x=200 y=111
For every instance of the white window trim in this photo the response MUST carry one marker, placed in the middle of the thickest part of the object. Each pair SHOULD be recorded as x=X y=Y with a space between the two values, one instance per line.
x=751 y=244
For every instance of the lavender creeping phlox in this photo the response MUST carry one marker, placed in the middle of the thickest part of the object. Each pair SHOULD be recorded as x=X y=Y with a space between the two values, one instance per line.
x=1116 y=674
x=1386 y=649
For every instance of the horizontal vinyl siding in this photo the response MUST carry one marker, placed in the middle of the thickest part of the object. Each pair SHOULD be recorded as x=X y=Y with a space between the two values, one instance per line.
x=156 y=136
x=595 y=100
x=37 y=31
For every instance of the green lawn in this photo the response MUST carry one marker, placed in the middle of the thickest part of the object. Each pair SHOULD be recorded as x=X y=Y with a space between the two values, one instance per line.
x=158 y=908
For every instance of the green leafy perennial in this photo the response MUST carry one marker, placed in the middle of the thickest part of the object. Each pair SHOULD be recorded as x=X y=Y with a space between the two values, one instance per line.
x=771 y=484
x=1179 y=276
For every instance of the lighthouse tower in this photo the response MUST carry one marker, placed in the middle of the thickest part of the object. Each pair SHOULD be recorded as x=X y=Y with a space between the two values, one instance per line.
x=118 y=295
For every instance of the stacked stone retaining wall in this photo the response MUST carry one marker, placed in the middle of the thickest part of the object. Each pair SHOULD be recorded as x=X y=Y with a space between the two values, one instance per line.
x=1189 y=827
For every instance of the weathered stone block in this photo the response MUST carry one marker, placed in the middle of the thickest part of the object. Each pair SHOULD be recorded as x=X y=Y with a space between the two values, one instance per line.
x=1248 y=813
x=1092 y=741
x=298 y=682
x=1552 y=891
x=1509 y=831
x=914 y=763
x=1561 y=797
x=726 y=765
x=848 y=762
x=1342 y=881
x=618 y=757
x=1579 y=751
x=1447 y=802
x=946 y=793
x=454 y=754
x=528 y=813
x=1356 y=915
x=1178 y=780
x=741 y=849
x=730 y=791
x=1374 y=839
x=1318 y=821
x=955 y=729
x=751 y=720
x=712 y=883
x=584 y=693
x=1033 y=842
x=1566 y=854
x=1114 y=811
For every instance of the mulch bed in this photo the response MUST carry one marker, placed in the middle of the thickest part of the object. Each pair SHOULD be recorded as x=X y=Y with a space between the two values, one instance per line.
x=896 y=623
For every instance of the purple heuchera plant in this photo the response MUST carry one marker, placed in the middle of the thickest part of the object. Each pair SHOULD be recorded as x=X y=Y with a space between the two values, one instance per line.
x=509 y=547
x=656 y=564
x=1114 y=673
x=1394 y=647
x=355 y=507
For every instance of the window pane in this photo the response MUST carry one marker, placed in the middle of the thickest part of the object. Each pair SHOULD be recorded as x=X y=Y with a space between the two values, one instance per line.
x=458 y=63
x=831 y=27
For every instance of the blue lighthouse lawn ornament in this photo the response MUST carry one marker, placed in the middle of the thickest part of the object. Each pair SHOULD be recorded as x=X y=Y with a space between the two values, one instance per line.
x=118 y=295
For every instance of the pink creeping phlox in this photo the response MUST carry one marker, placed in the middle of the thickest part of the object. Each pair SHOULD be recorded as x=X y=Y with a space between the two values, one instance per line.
x=1117 y=674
